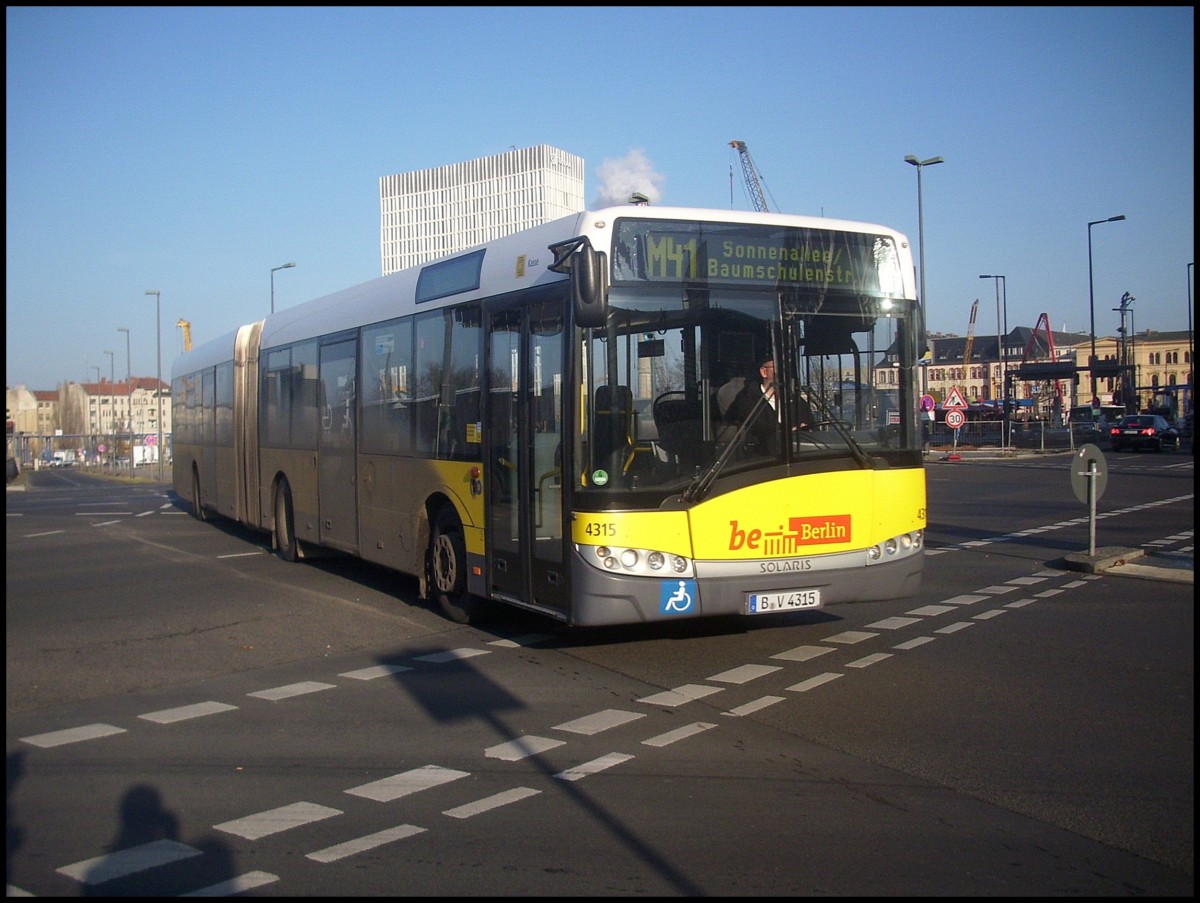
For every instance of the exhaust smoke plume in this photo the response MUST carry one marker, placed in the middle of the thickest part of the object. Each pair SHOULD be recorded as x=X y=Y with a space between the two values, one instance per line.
x=620 y=179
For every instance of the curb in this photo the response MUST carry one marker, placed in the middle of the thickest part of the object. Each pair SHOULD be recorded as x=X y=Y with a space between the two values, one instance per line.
x=1117 y=561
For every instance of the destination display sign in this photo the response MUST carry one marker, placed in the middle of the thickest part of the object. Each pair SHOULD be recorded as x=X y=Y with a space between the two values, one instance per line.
x=765 y=256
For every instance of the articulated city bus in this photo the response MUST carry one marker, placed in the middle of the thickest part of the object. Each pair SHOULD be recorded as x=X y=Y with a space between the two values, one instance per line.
x=543 y=420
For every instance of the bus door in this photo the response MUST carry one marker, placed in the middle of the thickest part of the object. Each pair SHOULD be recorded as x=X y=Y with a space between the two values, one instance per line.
x=524 y=478
x=335 y=449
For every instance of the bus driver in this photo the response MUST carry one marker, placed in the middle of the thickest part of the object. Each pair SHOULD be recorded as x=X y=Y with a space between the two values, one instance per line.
x=763 y=431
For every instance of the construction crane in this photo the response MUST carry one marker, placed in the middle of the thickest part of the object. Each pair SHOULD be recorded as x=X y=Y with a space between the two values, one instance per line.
x=1049 y=392
x=1045 y=345
x=186 y=329
x=752 y=182
x=967 y=348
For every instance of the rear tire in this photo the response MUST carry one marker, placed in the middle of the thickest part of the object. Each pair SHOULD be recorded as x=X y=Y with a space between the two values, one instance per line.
x=286 y=545
x=448 y=568
x=198 y=511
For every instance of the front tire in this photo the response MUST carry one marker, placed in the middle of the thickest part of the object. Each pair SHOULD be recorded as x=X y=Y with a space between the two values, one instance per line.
x=286 y=545
x=448 y=568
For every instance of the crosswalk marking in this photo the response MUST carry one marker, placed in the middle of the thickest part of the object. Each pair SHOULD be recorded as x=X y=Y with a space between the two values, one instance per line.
x=273 y=821
x=151 y=855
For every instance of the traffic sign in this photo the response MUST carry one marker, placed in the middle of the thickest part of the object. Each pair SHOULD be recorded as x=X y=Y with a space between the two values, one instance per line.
x=955 y=419
x=1089 y=473
x=954 y=399
x=927 y=403
x=151 y=439
x=1089 y=476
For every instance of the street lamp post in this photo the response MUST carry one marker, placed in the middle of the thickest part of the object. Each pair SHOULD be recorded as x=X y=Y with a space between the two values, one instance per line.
x=286 y=266
x=158 y=385
x=921 y=164
x=1191 y=352
x=1128 y=392
x=98 y=424
x=1092 y=300
x=112 y=411
x=128 y=398
x=1137 y=399
x=1002 y=284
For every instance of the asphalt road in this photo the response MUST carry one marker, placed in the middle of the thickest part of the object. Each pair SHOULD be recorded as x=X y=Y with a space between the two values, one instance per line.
x=188 y=713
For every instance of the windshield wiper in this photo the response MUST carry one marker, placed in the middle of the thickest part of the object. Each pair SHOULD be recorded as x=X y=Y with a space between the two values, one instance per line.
x=699 y=486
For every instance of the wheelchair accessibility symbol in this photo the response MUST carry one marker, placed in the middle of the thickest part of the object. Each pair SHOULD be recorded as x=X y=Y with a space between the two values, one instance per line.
x=677 y=597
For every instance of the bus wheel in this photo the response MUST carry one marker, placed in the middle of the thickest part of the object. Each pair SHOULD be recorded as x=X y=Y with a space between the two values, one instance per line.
x=285 y=528
x=197 y=509
x=448 y=568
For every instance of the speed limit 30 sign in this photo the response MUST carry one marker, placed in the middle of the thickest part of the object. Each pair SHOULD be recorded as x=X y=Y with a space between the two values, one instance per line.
x=955 y=419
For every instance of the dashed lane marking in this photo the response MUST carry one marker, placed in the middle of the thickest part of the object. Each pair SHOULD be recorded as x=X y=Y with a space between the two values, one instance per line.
x=273 y=821
x=744 y=674
x=593 y=767
x=895 y=623
x=451 y=655
x=680 y=733
x=240 y=884
x=868 y=660
x=73 y=735
x=680 y=695
x=600 y=721
x=521 y=748
x=850 y=637
x=184 y=712
x=914 y=642
x=407 y=782
x=364 y=843
x=488 y=803
x=813 y=682
x=753 y=706
x=290 y=690
x=802 y=653
x=956 y=627
x=375 y=671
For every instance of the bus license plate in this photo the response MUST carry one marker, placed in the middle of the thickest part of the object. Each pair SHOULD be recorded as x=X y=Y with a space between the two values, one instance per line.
x=761 y=603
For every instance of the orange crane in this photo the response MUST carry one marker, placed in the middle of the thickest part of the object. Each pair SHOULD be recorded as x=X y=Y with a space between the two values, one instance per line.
x=969 y=347
x=1051 y=390
x=186 y=328
x=1033 y=346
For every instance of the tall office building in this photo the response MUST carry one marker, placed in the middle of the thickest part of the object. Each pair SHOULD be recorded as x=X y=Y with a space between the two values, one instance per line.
x=433 y=212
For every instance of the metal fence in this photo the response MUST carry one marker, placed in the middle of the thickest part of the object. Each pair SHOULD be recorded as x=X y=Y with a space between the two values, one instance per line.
x=1030 y=435
x=96 y=452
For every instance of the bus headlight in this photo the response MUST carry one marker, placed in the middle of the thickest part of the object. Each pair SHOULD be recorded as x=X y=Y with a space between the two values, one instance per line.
x=896 y=547
x=643 y=562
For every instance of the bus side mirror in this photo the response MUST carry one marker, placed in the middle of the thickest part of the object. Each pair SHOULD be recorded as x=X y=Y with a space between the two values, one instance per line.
x=588 y=270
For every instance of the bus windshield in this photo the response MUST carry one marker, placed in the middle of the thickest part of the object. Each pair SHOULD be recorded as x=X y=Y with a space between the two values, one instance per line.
x=672 y=386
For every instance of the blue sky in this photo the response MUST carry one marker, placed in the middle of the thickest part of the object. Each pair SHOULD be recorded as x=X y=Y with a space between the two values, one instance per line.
x=191 y=150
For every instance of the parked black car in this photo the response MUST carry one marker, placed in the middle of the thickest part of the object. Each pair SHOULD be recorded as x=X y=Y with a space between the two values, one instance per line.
x=1143 y=431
